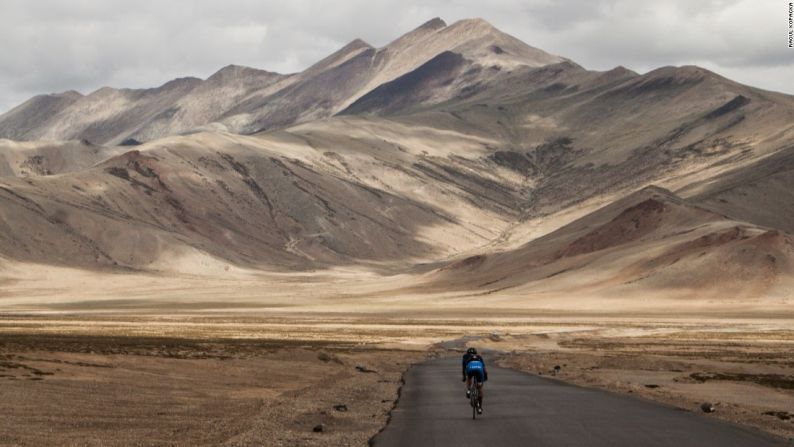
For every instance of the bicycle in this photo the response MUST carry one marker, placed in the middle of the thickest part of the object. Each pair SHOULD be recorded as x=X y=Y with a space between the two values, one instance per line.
x=474 y=397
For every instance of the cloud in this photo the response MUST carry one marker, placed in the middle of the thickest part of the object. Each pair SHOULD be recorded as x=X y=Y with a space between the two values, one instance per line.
x=55 y=45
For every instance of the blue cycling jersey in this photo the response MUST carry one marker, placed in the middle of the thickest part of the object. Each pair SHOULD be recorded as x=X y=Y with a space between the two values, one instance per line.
x=475 y=365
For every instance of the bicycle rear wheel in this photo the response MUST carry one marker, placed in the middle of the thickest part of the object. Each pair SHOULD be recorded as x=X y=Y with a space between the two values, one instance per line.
x=475 y=397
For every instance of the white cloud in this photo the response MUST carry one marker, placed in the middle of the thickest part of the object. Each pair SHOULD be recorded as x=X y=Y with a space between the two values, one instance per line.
x=57 y=45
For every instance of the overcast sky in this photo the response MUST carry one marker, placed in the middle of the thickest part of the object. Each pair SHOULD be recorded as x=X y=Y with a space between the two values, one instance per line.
x=57 y=45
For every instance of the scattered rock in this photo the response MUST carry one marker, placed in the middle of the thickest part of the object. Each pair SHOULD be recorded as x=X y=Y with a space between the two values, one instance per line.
x=707 y=407
x=326 y=357
x=364 y=369
x=651 y=386
x=768 y=380
x=495 y=337
x=556 y=370
x=319 y=428
x=340 y=407
x=782 y=415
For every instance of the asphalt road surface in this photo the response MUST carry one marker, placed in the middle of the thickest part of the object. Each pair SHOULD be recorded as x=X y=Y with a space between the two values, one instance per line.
x=525 y=410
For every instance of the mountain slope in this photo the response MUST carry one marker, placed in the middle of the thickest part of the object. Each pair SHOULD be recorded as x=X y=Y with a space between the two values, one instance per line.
x=264 y=202
x=760 y=192
x=650 y=240
x=24 y=121
x=472 y=162
x=208 y=101
x=474 y=40
x=576 y=134
x=454 y=155
x=50 y=158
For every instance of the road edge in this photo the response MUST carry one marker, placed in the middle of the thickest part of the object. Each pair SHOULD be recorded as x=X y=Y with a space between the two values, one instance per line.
x=371 y=441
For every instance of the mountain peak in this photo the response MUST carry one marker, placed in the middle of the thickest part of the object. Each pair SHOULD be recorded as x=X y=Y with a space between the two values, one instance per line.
x=475 y=21
x=417 y=34
x=68 y=94
x=476 y=25
x=180 y=82
x=353 y=48
x=234 y=71
x=103 y=91
x=683 y=73
x=355 y=44
x=618 y=73
x=231 y=68
x=433 y=24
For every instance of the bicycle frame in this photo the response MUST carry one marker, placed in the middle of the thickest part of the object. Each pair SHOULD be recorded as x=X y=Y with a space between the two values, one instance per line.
x=474 y=396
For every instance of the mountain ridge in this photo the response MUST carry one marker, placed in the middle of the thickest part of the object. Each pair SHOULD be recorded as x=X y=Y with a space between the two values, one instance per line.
x=70 y=119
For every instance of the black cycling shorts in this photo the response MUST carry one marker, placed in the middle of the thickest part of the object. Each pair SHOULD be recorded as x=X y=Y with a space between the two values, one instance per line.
x=477 y=374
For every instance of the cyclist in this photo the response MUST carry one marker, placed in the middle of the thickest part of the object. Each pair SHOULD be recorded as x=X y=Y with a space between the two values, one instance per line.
x=474 y=368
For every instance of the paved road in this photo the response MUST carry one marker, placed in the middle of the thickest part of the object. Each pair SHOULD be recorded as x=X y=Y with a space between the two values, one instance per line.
x=525 y=410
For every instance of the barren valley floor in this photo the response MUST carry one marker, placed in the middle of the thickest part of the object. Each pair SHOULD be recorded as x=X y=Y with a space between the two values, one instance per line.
x=179 y=379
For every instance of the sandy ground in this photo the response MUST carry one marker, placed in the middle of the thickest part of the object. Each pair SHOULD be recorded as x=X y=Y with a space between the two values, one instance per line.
x=86 y=390
x=360 y=291
x=747 y=375
x=108 y=379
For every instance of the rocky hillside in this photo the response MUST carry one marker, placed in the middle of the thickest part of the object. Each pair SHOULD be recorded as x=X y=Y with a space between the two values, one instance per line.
x=456 y=154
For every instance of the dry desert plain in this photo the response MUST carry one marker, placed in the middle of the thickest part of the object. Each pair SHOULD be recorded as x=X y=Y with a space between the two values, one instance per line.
x=242 y=361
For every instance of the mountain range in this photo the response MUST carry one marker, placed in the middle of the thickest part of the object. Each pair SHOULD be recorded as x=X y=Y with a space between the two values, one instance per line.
x=456 y=155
